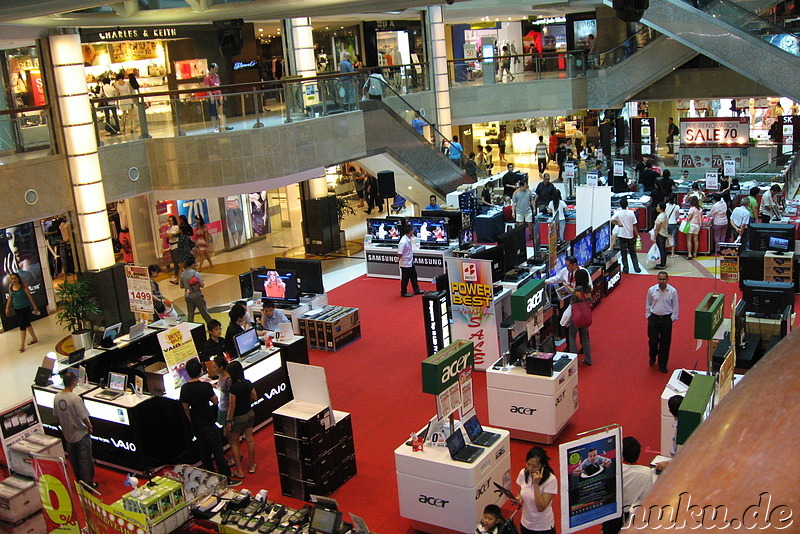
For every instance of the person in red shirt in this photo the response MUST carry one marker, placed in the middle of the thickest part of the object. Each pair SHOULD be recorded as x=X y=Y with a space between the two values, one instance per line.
x=552 y=145
x=215 y=107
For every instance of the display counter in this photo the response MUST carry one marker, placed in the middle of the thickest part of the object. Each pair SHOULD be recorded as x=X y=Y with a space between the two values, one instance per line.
x=533 y=408
x=439 y=494
x=704 y=245
x=382 y=262
x=488 y=226
x=143 y=433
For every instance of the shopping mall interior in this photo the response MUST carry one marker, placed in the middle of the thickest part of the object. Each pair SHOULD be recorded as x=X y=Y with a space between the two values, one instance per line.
x=275 y=121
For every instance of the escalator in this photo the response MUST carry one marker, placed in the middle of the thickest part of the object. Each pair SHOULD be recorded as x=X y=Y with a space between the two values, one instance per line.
x=734 y=37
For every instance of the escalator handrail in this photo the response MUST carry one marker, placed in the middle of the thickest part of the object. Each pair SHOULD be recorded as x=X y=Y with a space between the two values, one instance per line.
x=633 y=38
x=754 y=16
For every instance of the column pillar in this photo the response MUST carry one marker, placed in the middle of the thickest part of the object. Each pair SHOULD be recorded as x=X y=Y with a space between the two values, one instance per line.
x=300 y=43
x=438 y=62
x=81 y=149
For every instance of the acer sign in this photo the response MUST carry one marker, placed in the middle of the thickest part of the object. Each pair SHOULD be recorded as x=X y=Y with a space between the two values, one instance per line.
x=527 y=300
x=441 y=370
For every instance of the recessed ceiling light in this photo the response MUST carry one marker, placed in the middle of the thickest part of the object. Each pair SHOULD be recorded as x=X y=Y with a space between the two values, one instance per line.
x=261 y=29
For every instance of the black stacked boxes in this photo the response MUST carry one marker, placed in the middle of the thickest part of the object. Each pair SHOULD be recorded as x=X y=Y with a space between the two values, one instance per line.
x=314 y=457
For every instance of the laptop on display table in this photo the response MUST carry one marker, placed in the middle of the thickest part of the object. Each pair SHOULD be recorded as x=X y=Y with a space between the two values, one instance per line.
x=460 y=451
x=248 y=347
x=117 y=382
x=477 y=435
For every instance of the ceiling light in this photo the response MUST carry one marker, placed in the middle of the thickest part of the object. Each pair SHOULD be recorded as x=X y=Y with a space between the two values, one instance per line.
x=261 y=29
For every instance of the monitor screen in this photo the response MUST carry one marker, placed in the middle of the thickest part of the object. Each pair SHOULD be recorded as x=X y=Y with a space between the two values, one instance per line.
x=602 y=238
x=761 y=235
x=495 y=254
x=430 y=231
x=466 y=237
x=117 y=381
x=473 y=427
x=278 y=285
x=518 y=347
x=561 y=261
x=515 y=250
x=769 y=298
x=455 y=220
x=112 y=332
x=325 y=521
x=308 y=272
x=583 y=247
x=385 y=230
x=455 y=442
x=246 y=341
x=780 y=244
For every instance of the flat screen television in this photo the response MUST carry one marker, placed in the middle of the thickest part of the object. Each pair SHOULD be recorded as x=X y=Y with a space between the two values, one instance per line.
x=466 y=237
x=495 y=254
x=769 y=298
x=308 y=272
x=561 y=261
x=455 y=220
x=518 y=346
x=278 y=285
x=388 y=230
x=771 y=236
x=601 y=236
x=430 y=231
x=582 y=247
x=515 y=250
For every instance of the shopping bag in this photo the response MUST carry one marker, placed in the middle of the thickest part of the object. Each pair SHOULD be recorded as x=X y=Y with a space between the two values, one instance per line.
x=670 y=241
x=567 y=317
x=638 y=244
x=581 y=314
x=685 y=226
x=654 y=255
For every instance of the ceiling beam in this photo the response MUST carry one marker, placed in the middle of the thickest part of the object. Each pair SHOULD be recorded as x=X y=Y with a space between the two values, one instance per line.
x=11 y=10
x=126 y=9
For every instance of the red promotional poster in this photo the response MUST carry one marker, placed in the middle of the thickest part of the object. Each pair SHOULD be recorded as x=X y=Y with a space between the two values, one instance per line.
x=59 y=502
x=36 y=87
x=104 y=519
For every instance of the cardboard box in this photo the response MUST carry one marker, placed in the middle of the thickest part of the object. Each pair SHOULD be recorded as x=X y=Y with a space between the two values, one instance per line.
x=35 y=524
x=19 y=460
x=300 y=419
x=344 y=338
x=19 y=498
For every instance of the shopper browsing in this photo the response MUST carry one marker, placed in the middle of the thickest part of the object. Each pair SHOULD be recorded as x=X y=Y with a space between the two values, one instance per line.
x=627 y=234
x=661 y=310
x=538 y=485
x=193 y=286
x=695 y=217
x=199 y=401
x=661 y=233
x=672 y=221
x=560 y=215
x=545 y=193
x=541 y=155
x=582 y=293
x=522 y=205
x=770 y=207
x=73 y=418
x=740 y=220
x=241 y=418
x=719 y=219
x=566 y=276
x=215 y=103
x=215 y=344
x=408 y=273
x=637 y=480
x=270 y=317
x=236 y=325
x=173 y=232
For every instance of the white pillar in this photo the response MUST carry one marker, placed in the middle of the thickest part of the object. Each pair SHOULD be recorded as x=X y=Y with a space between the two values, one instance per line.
x=301 y=43
x=438 y=61
x=81 y=148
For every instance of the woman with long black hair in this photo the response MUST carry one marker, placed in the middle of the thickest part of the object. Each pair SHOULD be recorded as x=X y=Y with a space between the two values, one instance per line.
x=537 y=485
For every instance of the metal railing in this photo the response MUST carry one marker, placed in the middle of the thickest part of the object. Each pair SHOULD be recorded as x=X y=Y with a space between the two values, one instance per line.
x=537 y=66
x=23 y=129
x=242 y=106
x=625 y=49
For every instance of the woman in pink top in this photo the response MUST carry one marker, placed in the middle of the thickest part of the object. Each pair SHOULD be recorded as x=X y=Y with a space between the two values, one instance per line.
x=215 y=109
x=694 y=217
x=719 y=219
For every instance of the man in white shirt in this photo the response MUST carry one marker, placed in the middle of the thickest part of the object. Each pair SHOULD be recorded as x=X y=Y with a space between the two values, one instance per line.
x=740 y=219
x=769 y=205
x=661 y=310
x=405 y=253
x=566 y=276
x=541 y=155
x=628 y=232
x=637 y=481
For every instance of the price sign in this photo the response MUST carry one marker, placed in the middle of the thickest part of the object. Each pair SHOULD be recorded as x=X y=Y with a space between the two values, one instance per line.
x=619 y=167
x=592 y=178
x=712 y=180
x=569 y=169
x=139 y=295
x=729 y=166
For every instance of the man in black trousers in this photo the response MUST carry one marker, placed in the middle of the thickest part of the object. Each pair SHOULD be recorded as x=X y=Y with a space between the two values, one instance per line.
x=661 y=310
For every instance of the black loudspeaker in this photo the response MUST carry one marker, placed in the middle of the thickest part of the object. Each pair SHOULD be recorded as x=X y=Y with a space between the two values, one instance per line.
x=110 y=288
x=386 y=184
x=630 y=10
x=246 y=284
x=229 y=36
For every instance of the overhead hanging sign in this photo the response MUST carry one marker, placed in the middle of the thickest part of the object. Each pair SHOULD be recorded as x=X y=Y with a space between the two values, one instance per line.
x=712 y=132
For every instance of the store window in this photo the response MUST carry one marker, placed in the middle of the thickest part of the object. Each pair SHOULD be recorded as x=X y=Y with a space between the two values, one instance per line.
x=27 y=130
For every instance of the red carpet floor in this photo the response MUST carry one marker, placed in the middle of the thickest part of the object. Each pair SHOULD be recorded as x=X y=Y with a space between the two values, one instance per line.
x=378 y=380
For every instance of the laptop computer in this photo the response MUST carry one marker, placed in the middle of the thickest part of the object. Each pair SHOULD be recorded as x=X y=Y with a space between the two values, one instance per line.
x=109 y=335
x=248 y=347
x=359 y=525
x=137 y=331
x=476 y=433
x=76 y=355
x=460 y=451
x=117 y=382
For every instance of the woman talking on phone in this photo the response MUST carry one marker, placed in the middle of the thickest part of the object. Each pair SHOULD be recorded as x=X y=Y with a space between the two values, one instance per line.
x=537 y=485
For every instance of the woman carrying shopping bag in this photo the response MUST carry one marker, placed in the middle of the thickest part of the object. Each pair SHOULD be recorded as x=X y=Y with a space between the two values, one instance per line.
x=581 y=306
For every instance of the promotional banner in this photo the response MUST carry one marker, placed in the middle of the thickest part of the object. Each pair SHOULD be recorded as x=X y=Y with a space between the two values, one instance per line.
x=619 y=167
x=178 y=348
x=712 y=180
x=19 y=422
x=729 y=167
x=102 y=518
x=19 y=254
x=59 y=502
x=693 y=157
x=591 y=480
x=259 y=213
x=729 y=261
x=140 y=296
x=715 y=131
x=471 y=297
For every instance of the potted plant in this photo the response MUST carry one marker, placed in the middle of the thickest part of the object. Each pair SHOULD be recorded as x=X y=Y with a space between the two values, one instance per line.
x=75 y=304
x=343 y=209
